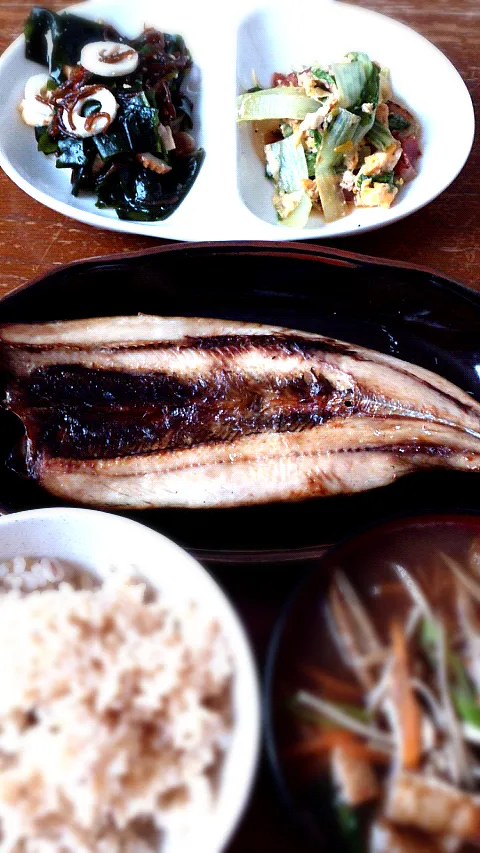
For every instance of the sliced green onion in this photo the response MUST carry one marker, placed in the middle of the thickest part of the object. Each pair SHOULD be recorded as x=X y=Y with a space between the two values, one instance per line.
x=379 y=136
x=282 y=102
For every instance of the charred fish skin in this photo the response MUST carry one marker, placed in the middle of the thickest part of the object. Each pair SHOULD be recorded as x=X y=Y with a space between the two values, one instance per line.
x=148 y=411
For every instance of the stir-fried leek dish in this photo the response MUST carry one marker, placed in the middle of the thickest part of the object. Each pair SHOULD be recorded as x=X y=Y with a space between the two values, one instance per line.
x=112 y=110
x=333 y=139
x=392 y=717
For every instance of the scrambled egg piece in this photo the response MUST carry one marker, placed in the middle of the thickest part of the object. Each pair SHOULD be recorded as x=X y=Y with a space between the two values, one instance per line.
x=286 y=203
x=348 y=181
x=313 y=121
x=382 y=161
x=311 y=189
x=351 y=159
x=312 y=85
x=375 y=194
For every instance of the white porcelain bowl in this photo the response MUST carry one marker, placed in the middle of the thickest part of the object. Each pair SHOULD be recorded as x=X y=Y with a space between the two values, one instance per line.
x=99 y=540
x=231 y=198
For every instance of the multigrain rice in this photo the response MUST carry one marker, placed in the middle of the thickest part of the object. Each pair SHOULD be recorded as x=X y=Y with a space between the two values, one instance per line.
x=115 y=714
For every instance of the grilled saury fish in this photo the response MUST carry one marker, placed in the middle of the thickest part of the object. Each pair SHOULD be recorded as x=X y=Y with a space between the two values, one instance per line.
x=148 y=411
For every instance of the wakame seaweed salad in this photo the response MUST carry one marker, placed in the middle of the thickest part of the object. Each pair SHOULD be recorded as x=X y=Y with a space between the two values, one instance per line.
x=113 y=111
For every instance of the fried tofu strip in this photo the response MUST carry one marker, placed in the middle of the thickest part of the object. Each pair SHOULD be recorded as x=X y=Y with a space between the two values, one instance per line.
x=354 y=777
x=433 y=806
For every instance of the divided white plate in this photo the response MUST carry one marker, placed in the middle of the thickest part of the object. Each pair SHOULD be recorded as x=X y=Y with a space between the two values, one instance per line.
x=231 y=198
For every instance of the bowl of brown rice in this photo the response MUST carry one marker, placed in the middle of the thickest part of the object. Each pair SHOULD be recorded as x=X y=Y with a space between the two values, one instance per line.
x=129 y=709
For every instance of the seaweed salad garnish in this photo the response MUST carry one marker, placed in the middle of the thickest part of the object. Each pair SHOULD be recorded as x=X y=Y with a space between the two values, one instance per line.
x=113 y=111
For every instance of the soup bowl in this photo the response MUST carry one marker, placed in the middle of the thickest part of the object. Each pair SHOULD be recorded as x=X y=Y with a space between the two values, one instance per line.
x=402 y=572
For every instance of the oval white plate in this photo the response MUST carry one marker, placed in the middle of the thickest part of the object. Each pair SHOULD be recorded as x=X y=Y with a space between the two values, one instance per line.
x=231 y=198
x=98 y=541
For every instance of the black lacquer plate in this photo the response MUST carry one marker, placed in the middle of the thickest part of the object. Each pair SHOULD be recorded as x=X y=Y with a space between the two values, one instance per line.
x=411 y=313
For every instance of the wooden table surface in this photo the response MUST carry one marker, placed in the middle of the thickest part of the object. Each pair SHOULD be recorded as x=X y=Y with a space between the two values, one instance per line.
x=445 y=235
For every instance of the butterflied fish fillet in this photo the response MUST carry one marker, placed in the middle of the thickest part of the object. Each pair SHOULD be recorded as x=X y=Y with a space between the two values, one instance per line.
x=149 y=411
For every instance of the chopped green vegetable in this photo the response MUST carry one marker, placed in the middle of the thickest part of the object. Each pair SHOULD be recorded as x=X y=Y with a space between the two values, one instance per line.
x=72 y=152
x=379 y=136
x=45 y=143
x=387 y=178
x=90 y=108
x=429 y=634
x=467 y=707
x=320 y=74
x=286 y=129
x=311 y=158
x=282 y=102
x=385 y=85
x=287 y=164
x=298 y=217
x=397 y=122
x=370 y=95
x=351 y=80
x=462 y=690
x=310 y=716
x=339 y=131
x=350 y=829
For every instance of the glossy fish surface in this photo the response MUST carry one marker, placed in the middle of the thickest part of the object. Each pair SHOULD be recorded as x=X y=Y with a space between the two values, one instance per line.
x=146 y=411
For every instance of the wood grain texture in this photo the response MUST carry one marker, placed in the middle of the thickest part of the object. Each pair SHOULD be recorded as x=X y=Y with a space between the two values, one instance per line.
x=445 y=235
